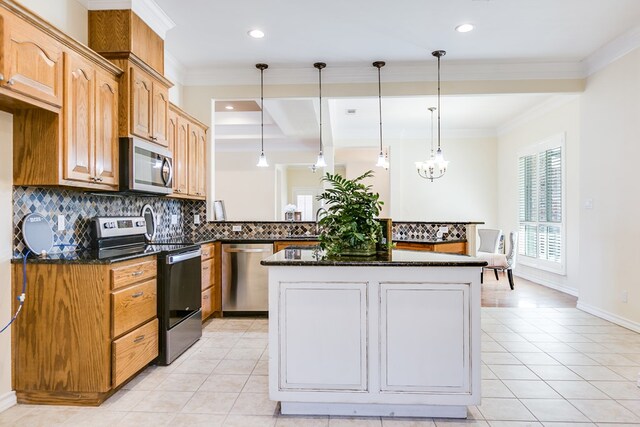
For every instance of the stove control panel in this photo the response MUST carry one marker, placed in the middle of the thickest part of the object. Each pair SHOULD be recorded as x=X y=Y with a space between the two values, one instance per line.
x=117 y=226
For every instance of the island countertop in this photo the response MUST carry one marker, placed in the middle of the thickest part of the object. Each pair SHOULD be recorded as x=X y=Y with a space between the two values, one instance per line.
x=397 y=258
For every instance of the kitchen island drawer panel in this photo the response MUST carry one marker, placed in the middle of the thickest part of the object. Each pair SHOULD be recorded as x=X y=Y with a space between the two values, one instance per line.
x=134 y=351
x=133 y=272
x=132 y=306
x=208 y=276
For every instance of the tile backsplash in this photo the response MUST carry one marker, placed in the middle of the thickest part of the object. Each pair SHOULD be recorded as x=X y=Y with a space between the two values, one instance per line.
x=79 y=207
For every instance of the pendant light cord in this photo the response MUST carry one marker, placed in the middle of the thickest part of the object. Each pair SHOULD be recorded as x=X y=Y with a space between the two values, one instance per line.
x=320 y=98
x=262 y=110
x=439 y=102
x=380 y=107
x=320 y=66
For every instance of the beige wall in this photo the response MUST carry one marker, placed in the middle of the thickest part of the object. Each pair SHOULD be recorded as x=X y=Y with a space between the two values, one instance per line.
x=563 y=118
x=70 y=16
x=6 y=245
x=466 y=193
x=609 y=152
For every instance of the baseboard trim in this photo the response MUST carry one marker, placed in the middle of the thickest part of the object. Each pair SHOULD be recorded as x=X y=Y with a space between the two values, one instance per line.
x=7 y=400
x=625 y=323
x=548 y=284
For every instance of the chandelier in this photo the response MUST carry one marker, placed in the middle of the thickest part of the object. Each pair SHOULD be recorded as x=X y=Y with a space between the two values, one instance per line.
x=436 y=166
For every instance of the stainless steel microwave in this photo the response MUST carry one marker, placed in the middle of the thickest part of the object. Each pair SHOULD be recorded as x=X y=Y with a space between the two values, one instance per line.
x=145 y=167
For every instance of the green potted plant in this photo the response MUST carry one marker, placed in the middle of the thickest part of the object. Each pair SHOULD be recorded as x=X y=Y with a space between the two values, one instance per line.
x=348 y=224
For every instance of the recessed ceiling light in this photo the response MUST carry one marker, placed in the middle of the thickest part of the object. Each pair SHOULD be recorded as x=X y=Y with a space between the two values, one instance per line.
x=256 y=34
x=464 y=28
x=229 y=107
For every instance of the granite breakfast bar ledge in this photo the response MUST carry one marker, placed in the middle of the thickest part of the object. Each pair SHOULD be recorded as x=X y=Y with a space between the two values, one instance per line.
x=392 y=335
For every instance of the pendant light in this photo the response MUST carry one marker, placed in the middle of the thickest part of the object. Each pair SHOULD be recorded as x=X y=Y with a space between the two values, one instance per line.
x=320 y=163
x=436 y=166
x=381 y=158
x=262 y=160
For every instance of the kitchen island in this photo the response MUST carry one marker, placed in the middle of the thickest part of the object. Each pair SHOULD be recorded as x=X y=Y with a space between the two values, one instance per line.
x=393 y=335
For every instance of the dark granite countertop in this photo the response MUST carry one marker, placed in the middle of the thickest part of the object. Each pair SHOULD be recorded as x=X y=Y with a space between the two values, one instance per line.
x=397 y=258
x=84 y=256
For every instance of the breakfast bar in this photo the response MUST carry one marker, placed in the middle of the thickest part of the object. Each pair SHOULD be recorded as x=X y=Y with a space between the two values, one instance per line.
x=397 y=334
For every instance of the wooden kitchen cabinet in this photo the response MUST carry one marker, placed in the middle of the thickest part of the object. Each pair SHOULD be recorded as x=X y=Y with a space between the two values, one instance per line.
x=283 y=244
x=444 y=247
x=211 y=280
x=63 y=98
x=188 y=143
x=143 y=101
x=84 y=329
x=90 y=121
x=30 y=62
x=149 y=107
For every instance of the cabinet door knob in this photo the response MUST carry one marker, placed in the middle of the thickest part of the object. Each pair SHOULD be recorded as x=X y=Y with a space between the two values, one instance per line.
x=10 y=82
x=99 y=179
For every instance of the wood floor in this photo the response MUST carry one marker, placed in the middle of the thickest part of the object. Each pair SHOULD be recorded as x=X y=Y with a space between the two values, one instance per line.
x=526 y=294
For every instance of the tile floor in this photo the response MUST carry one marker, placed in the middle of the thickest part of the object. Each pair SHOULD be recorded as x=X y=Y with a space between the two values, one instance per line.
x=541 y=367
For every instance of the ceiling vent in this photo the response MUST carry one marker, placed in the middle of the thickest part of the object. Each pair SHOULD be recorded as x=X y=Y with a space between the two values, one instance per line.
x=351 y=111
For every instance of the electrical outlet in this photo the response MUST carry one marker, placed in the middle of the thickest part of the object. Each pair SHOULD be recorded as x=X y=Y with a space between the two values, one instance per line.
x=61 y=222
x=236 y=228
x=624 y=297
x=444 y=230
x=174 y=219
x=196 y=219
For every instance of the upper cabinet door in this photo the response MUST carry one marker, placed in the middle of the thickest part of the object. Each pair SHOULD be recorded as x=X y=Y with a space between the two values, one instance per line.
x=141 y=101
x=78 y=113
x=160 y=114
x=192 y=148
x=106 y=151
x=202 y=162
x=32 y=63
x=180 y=160
x=172 y=135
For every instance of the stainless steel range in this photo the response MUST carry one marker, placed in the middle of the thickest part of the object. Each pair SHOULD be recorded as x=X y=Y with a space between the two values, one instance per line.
x=179 y=279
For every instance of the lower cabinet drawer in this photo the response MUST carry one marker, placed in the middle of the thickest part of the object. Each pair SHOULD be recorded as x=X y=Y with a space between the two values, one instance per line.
x=132 y=306
x=208 y=296
x=132 y=273
x=134 y=351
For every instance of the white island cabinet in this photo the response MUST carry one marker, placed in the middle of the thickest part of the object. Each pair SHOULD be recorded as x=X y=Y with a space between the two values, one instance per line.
x=396 y=335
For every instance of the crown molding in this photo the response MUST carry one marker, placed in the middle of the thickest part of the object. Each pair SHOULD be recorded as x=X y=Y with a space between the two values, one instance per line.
x=147 y=10
x=398 y=72
x=538 y=110
x=614 y=50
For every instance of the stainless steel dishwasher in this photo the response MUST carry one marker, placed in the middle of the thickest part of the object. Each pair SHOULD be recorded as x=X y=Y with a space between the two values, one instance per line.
x=244 y=280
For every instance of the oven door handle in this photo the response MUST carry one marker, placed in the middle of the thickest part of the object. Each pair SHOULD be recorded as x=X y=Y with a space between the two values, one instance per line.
x=173 y=259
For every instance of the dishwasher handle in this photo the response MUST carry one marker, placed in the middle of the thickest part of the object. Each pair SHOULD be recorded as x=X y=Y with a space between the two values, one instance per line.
x=173 y=259
x=242 y=250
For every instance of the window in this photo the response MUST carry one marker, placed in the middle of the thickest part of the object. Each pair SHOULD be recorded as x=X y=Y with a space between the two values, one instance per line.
x=541 y=205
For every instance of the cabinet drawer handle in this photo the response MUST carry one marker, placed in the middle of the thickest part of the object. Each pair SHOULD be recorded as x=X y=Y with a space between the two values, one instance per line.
x=99 y=179
x=137 y=294
x=137 y=273
x=205 y=268
x=205 y=297
x=138 y=339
